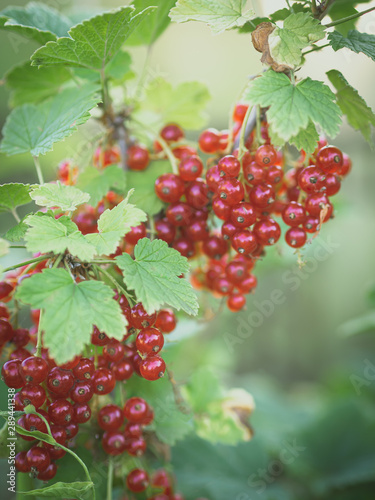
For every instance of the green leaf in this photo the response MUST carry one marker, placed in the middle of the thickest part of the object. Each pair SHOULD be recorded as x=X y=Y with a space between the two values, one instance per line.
x=153 y=275
x=113 y=225
x=144 y=186
x=13 y=195
x=155 y=23
x=170 y=422
x=362 y=324
x=30 y=84
x=299 y=31
x=353 y=106
x=344 y=8
x=36 y=21
x=57 y=235
x=98 y=182
x=293 y=107
x=70 y=311
x=76 y=490
x=306 y=139
x=35 y=128
x=119 y=67
x=67 y=198
x=183 y=104
x=355 y=41
x=41 y=436
x=93 y=43
x=4 y=247
x=17 y=232
x=220 y=15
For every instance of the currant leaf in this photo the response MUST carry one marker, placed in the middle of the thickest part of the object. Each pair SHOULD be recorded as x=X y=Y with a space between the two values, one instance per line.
x=4 y=247
x=70 y=311
x=118 y=68
x=30 y=84
x=67 y=198
x=306 y=139
x=13 y=195
x=36 y=21
x=220 y=15
x=354 y=107
x=183 y=104
x=34 y=128
x=98 y=182
x=154 y=276
x=16 y=233
x=113 y=225
x=298 y=31
x=57 y=235
x=355 y=41
x=293 y=107
x=93 y=43
x=78 y=490
x=154 y=24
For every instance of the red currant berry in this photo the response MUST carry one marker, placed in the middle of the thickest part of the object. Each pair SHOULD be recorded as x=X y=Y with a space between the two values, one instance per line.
x=34 y=370
x=198 y=230
x=140 y=318
x=136 y=446
x=99 y=338
x=114 y=443
x=114 y=351
x=243 y=215
x=103 y=381
x=228 y=229
x=149 y=341
x=33 y=422
x=222 y=286
x=267 y=231
x=236 y=271
x=152 y=368
x=236 y=302
x=4 y=312
x=21 y=462
x=49 y=473
x=294 y=214
x=60 y=381
x=165 y=231
x=311 y=179
x=5 y=290
x=274 y=175
x=133 y=430
x=262 y=195
x=6 y=331
x=82 y=413
x=110 y=418
x=244 y=241
x=10 y=372
x=179 y=214
x=345 y=167
x=172 y=133
x=231 y=191
x=248 y=284
x=31 y=394
x=329 y=159
x=182 y=152
x=122 y=370
x=169 y=187
x=197 y=194
x=61 y=412
x=239 y=112
x=215 y=247
x=254 y=173
x=84 y=369
x=221 y=209
x=21 y=337
x=213 y=178
x=138 y=157
x=332 y=185
x=315 y=203
x=185 y=247
x=137 y=480
x=266 y=155
x=135 y=234
x=190 y=168
x=82 y=392
x=209 y=141
x=295 y=237
x=166 y=321
x=135 y=410
x=38 y=459
x=229 y=166
x=311 y=224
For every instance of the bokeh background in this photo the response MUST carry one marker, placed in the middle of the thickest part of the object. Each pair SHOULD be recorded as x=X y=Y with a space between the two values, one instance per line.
x=313 y=381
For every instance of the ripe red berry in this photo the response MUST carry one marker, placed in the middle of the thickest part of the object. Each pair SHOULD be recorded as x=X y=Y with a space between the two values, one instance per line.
x=82 y=413
x=243 y=215
x=10 y=372
x=213 y=178
x=179 y=214
x=229 y=166
x=113 y=351
x=34 y=370
x=122 y=370
x=135 y=234
x=172 y=133
x=239 y=112
x=315 y=203
x=185 y=247
x=149 y=341
x=244 y=241
x=190 y=168
x=110 y=417
x=294 y=214
x=21 y=462
x=221 y=209
x=197 y=194
x=231 y=191
x=236 y=302
x=311 y=179
x=21 y=337
x=114 y=442
x=165 y=230
x=60 y=381
x=4 y=312
x=166 y=321
x=198 y=230
x=31 y=394
x=311 y=224
x=236 y=271
x=215 y=247
x=103 y=381
x=140 y=318
x=136 y=446
x=6 y=331
x=346 y=166
x=265 y=155
x=135 y=410
x=267 y=231
x=137 y=480
x=295 y=237
x=262 y=195
x=169 y=187
x=332 y=184
x=71 y=430
x=228 y=229
x=209 y=140
x=82 y=392
x=138 y=157
x=84 y=369
x=99 y=338
x=38 y=459
x=254 y=173
x=5 y=290
x=61 y=412
x=49 y=473
x=152 y=368
x=274 y=175
x=247 y=284
x=329 y=159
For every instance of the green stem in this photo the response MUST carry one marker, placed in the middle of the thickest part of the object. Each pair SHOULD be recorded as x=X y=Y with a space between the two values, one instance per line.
x=103 y=82
x=17 y=246
x=349 y=18
x=15 y=215
x=241 y=145
x=259 y=127
x=314 y=49
x=110 y=479
x=24 y=483
x=38 y=353
x=38 y=169
x=31 y=261
x=117 y=285
x=167 y=150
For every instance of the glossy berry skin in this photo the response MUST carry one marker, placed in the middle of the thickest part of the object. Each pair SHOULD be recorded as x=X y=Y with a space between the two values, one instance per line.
x=4 y=313
x=84 y=370
x=293 y=214
x=137 y=480
x=346 y=166
x=21 y=337
x=229 y=166
x=135 y=234
x=20 y=354
x=244 y=242
x=248 y=284
x=33 y=422
x=82 y=413
x=82 y=392
x=61 y=412
x=262 y=195
x=21 y=462
x=172 y=133
x=31 y=394
x=10 y=372
x=136 y=446
x=332 y=184
x=329 y=159
x=243 y=215
x=113 y=351
x=165 y=231
x=311 y=179
x=152 y=368
x=169 y=187
x=213 y=178
x=133 y=430
x=274 y=175
x=140 y=318
x=138 y=157
x=198 y=231
x=60 y=436
x=38 y=458
x=267 y=231
x=34 y=370
x=239 y=112
x=228 y=229
x=265 y=155
x=221 y=209
x=149 y=341
x=197 y=194
x=215 y=247
x=110 y=418
x=209 y=141
x=114 y=443
x=295 y=237
x=135 y=410
x=254 y=173
x=222 y=286
x=166 y=321
x=99 y=338
x=182 y=152
x=179 y=214
x=103 y=381
x=71 y=430
x=236 y=271
x=60 y=381
x=49 y=473
x=231 y=191
x=315 y=203
x=6 y=331
x=236 y=302
x=190 y=168
x=185 y=247
x=5 y=290
x=122 y=370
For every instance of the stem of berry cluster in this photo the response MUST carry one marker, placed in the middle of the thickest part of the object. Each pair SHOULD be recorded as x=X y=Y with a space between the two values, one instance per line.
x=110 y=479
x=38 y=169
x=170 y=155
x=38 y=352
x=31 y=261
x=349 y=18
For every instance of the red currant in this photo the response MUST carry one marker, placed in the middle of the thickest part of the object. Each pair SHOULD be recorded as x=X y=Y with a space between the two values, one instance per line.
x=190 y=168
x=103 y=381
x=110 y=418
x=152 y=368
x=137 y=480
x=149 y=341
x=138 y=157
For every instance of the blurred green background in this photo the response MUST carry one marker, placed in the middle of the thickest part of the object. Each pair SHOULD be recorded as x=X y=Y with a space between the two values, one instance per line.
x=311 y=383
